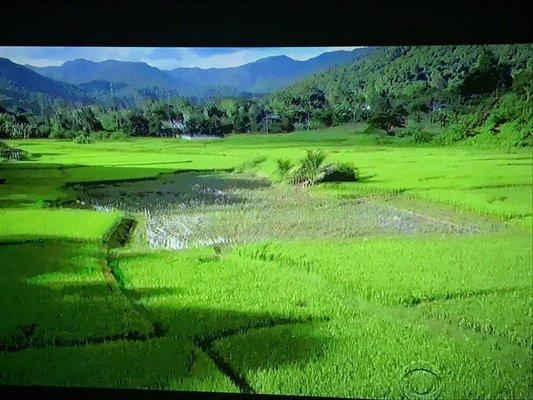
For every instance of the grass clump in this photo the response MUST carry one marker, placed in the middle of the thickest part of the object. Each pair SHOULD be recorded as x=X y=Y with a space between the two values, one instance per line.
x=309 y=171
x=421 y=136
x=313 y=170
x=341 y=172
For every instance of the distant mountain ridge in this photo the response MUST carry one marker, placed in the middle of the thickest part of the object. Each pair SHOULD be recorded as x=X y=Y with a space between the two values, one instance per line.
x=125 y=84
x=269 y=74
x=22 y=87
x=258 y=77
x=19 y=86
x=134 y=74
x=32 y=81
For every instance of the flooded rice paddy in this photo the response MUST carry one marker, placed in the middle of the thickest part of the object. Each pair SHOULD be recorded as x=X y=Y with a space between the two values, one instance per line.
x=197 y=209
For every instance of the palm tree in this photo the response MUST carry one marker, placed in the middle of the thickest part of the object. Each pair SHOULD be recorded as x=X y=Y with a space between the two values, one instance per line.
x=310 y=170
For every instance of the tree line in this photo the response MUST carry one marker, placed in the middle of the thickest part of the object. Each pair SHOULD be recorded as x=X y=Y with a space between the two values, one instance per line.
x=394 y=89
x=167 y=118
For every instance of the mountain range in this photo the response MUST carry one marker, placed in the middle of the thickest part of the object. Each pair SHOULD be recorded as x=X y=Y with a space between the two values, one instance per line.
x=258 y=77
x=22 y=87
x=134 y=74
x=124 y=83
x=268 y=74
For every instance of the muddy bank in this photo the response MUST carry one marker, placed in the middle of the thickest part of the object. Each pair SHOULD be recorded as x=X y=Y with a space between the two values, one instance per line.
x=122 y=233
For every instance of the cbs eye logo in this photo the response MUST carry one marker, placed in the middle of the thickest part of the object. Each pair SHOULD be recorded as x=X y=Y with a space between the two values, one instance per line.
x=421 y=381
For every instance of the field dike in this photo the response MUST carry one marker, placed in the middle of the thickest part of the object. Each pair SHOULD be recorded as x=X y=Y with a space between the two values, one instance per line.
x=204 y=343
x=24 y=338
x=209 y=207
x=415 y=301
x=118 y=182
x=122 y=233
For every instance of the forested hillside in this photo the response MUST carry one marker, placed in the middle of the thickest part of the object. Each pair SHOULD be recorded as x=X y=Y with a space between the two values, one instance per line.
x=438 y=94
x=20 y=87
x=463 y=88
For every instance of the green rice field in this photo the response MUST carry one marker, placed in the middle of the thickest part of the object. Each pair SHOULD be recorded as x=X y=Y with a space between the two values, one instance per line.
x=173 y=264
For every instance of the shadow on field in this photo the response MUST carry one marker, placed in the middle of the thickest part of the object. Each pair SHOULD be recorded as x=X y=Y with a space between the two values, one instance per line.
x=62 y=324
x=167 y=190
x=134 y=187
x=72 y=174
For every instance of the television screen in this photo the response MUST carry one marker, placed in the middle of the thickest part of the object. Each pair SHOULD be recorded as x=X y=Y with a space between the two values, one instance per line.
x=337 y=221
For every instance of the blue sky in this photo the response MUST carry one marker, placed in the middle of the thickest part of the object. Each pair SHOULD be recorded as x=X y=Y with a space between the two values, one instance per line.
x=161 y=57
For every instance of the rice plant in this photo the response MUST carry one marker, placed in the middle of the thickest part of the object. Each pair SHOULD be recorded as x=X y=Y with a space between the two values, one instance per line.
x=332 y=291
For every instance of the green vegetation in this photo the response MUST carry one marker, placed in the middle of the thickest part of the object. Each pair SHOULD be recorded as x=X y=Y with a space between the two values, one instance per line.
x=398 y=272
x=284 y=301
x=80 y=225
x=312 y=170
x=443 y=94
x=495 y=182
x=283 y=166
x=136 y=262
x=438 y=94
x=308 y=311
x=55 y=292
x=8 y=153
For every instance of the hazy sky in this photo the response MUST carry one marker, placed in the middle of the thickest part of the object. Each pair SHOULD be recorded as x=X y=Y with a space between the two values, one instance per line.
x=161 y=57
